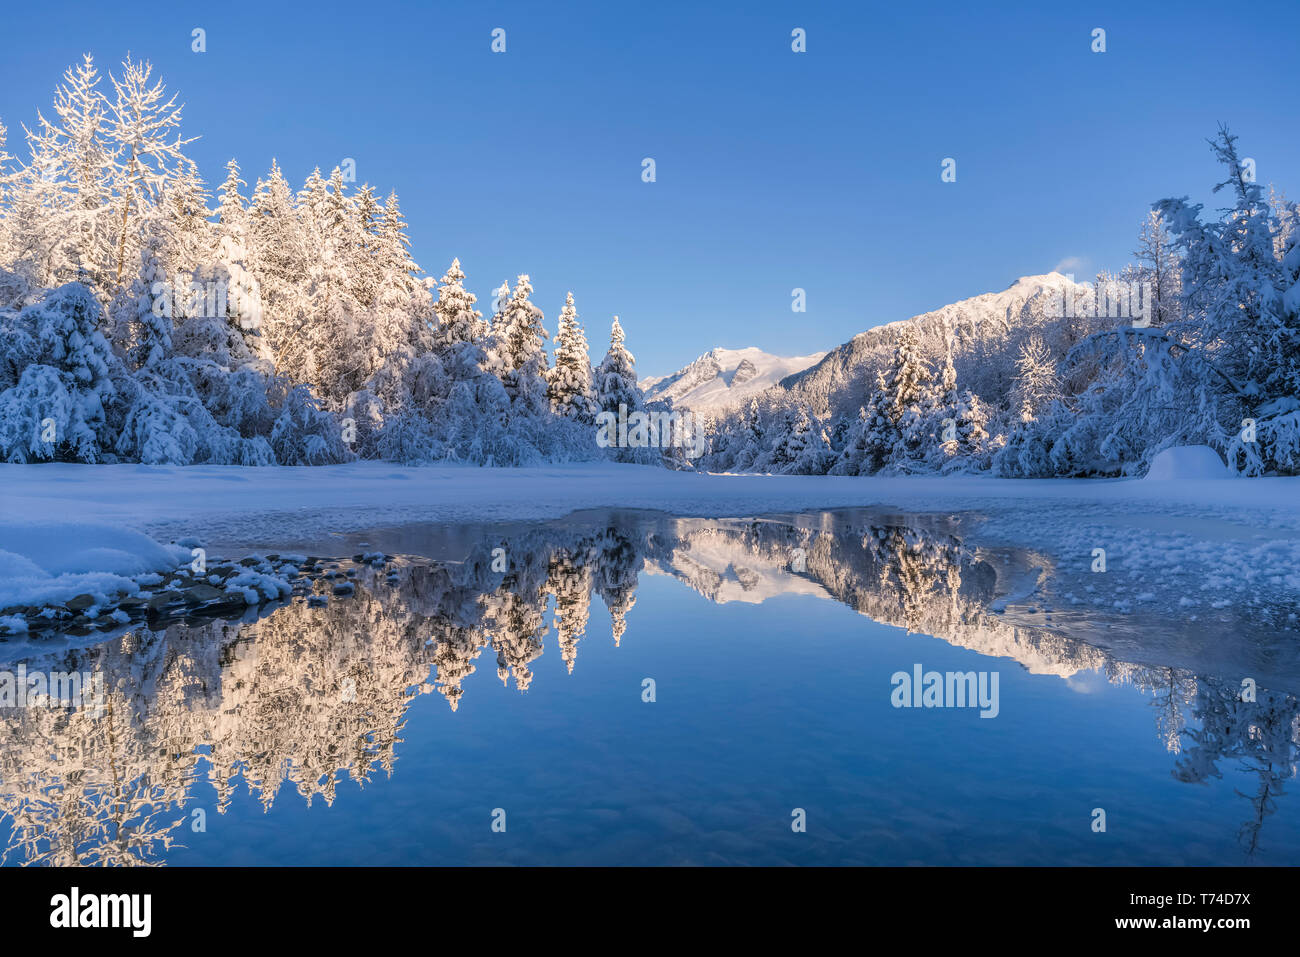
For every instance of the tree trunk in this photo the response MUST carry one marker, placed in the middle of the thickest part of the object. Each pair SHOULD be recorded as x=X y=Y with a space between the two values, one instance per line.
x=126 y=209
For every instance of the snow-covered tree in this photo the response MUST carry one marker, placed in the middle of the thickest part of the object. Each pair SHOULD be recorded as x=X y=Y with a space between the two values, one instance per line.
x=1037 y=382
x=76 y=151
x=458 y=320
x=142 y=130
x=232 y=207
x=570 y=382
x=616 y=377
x=143 y=324
x=1241 y=322
x=282 y=252
x=519 y=345
x=185 y=210
x=749 y=443
x=800 y=449
x=56 y=410
x=1158 y=266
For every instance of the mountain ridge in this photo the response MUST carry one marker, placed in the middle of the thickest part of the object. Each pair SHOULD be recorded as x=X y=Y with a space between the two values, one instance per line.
x=722 y=377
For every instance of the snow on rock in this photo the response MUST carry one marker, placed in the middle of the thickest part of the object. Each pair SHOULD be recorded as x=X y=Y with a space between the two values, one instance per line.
x=1187 y=462
x=51 y=562
x=256 y=587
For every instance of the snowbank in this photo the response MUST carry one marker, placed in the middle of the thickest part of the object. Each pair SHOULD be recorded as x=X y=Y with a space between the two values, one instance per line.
x=48 y=562
x=1188 y=462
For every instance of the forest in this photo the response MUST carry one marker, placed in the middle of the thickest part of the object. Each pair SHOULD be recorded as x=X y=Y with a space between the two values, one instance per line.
x=145 y=319
x=1196 y=343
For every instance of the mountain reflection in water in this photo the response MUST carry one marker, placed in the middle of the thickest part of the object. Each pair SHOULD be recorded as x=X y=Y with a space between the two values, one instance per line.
x=304 y=697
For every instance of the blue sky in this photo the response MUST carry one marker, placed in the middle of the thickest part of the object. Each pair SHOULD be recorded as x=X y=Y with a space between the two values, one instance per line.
x=775 y=170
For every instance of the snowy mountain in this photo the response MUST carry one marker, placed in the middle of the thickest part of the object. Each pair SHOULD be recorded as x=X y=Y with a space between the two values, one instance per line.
x=723 y=376
x=980 y=330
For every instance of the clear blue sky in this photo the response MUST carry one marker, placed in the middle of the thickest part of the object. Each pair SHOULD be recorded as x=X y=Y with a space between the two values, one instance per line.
x=775 y=169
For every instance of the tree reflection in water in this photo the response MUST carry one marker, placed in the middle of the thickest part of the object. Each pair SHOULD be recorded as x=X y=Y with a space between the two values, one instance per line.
x=309 y=695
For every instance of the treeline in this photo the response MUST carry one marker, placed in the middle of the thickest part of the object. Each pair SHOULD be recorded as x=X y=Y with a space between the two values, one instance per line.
x=1197 y=343
x=142 y=320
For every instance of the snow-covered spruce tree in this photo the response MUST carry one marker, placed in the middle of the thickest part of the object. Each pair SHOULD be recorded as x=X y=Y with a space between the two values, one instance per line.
x=56 y=410
x=973 y=440
x=280 y=249
x=837 y=437
x=305 y=434
x=800 y=449
x=617 y=392
x=184 y=206
x=520 y=346
x=500 y=303
x=336 y=350
x=872 y=439
x=616 y=377
x=219 y=314
x=402 y=305
x=958 y=426
x=899 y=415
x=366 y=261
x=907 y=383
x=458 y=320
x=747 y=442
x=232 y=207
x=570 y=382
x=142 y=324
x=854 y=451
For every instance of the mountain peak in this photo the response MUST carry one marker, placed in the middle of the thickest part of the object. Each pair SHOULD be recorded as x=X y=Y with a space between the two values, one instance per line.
x=722 y=377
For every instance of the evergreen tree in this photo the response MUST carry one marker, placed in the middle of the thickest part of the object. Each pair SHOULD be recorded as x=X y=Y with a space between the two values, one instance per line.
x=801 y=449
x=56 y=410
x=232 y=207
x=185 y=210
x=458 y=320
x=282 y=252
x=570 y=382
x=749 y=442
x=143 y=327
x=520 y=348
x=616 y=377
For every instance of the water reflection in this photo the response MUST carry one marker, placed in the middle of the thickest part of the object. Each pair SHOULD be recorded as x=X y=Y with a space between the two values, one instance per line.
x=312 y=694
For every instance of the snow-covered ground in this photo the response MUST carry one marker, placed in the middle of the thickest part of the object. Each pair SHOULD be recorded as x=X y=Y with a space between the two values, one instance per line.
x=1229 y=540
